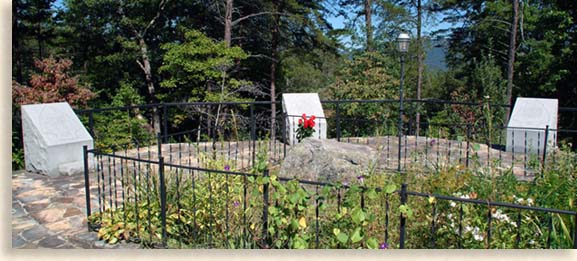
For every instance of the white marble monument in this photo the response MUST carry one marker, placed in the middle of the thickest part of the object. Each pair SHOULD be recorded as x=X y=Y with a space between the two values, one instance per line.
x=527 y=125
x=53 y=138
x=294 y=105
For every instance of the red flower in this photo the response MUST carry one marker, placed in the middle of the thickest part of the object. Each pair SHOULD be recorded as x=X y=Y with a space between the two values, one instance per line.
x=305 y=127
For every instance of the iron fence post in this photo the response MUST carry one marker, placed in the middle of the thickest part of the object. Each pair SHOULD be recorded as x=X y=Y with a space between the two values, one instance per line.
x=162 y=199
x=403 y=218
x=91 y=123
x=284 y=137
x=338 y=119
x=87 y=183
x=468 y=144
x=159 y=144
x=165 y=122
x=545 y=143
x=265 y=209
x=575 y=233
x=400 y=130
x=253 y=132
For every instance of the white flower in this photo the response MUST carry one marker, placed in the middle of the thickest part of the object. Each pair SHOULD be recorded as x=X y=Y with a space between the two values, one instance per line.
x=468 y=229
x=450 y=216
x=520 y=200
x=532 y=242
x=453 y=204
x=476 y=230
x=530 y=201
x=477 y=235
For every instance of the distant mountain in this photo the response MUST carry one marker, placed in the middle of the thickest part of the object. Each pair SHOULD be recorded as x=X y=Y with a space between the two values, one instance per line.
x=435 y=59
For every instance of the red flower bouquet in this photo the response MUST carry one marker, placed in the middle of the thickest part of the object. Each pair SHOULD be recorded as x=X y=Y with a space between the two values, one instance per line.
x=306 y=127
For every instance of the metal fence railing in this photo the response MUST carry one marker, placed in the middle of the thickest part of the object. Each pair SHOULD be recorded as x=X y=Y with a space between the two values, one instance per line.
x=169 y=205
x=447 y=132
x=190 y=177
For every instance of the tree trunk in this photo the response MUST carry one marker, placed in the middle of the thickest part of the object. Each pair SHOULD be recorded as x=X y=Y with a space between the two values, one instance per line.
x=274 y=55
x=147 y=69
x=420 y=66
x=16 y=49
x=228 y=23
x=369 y=24
x=511 y=57
x=39 y=34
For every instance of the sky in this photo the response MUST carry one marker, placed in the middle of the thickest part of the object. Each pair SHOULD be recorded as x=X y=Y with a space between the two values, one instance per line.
x=338 y=23
x=435 y=56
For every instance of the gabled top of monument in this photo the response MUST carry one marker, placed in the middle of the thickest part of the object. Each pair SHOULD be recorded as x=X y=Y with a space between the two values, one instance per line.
x=55 y=123
x=296 y=104
x=534 y=113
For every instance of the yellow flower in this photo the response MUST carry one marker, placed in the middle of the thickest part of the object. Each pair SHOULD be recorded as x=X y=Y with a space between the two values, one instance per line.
x=303 y=222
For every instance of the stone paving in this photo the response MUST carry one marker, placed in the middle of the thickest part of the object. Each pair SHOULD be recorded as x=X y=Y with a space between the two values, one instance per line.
x=51 y=213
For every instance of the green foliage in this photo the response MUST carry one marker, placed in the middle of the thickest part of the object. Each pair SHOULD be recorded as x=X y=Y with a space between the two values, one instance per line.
x=207 y=209
x=288 y=216
x=370 y=76
x=308 y=72
x=17 y=159
x=191 y=68
x=122 y=128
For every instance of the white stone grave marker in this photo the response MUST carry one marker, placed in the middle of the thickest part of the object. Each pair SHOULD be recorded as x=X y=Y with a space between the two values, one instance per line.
x=53 y=137
x=294 y=105
x=529 y=118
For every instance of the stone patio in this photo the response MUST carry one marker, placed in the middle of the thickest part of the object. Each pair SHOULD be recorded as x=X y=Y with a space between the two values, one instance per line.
x=51 y=213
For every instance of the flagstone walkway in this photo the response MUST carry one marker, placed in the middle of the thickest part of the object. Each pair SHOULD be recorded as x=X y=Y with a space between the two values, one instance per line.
x=51 y=213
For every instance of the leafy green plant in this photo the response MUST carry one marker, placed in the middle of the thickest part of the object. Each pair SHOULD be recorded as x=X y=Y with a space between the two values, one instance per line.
x=209 y=209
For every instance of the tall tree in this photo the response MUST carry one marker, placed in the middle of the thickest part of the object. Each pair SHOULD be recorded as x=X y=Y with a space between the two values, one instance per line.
x=140 y=31
x=369 y=24
x=511 y=55
x=278 y=6
x=33 y=29
x=228 y=23
x=420 y=58
x=352 y=10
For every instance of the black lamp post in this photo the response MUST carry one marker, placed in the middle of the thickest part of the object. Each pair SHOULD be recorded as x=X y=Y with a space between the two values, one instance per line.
x=403 y=45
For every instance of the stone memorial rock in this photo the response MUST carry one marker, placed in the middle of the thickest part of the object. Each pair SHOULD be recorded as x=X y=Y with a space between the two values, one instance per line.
x=294 y=105
x=526 y=127
x=327 y=161
x=53 y=137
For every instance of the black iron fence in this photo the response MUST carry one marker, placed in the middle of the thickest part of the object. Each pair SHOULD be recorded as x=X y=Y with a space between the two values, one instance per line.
x=446 y=133
x=168 y=205
x=178 y=189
